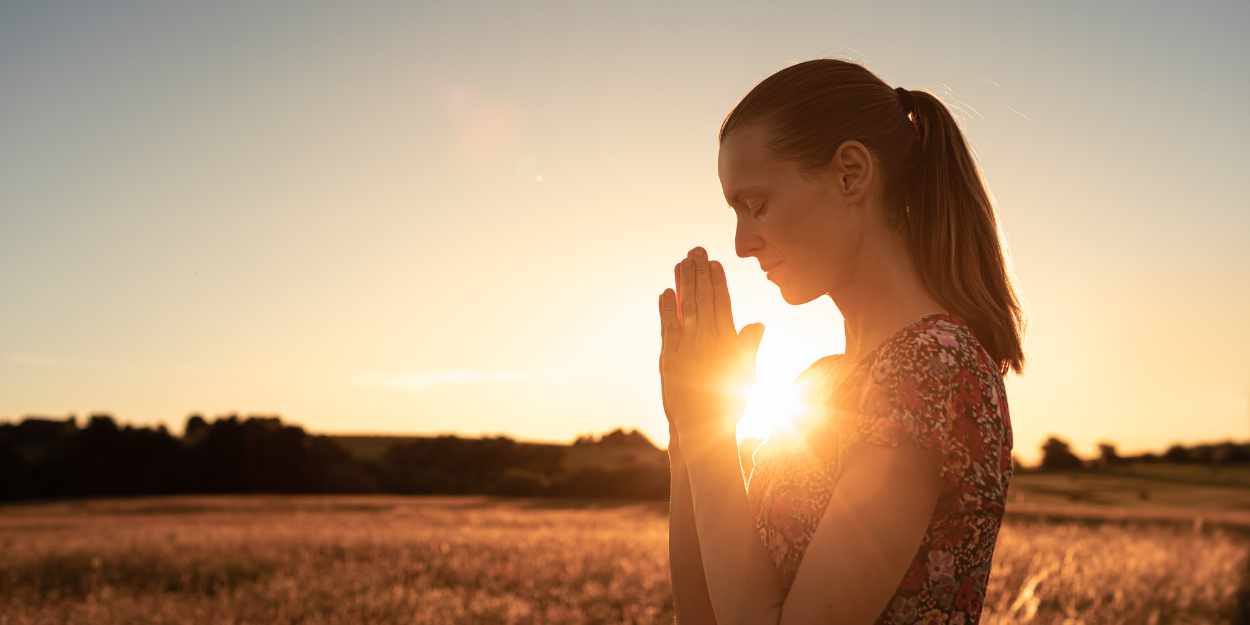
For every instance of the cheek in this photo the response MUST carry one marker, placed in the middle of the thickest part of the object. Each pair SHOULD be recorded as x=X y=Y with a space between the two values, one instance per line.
x=813 y=239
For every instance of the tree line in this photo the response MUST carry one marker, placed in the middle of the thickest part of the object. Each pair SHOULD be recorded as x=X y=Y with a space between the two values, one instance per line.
x=1057 y=454
x=44 y=458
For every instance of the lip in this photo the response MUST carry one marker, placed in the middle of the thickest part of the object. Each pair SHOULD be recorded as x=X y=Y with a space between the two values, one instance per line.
x=769 y=268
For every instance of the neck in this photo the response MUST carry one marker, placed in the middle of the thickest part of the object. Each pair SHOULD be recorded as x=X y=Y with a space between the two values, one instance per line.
x=883 y=295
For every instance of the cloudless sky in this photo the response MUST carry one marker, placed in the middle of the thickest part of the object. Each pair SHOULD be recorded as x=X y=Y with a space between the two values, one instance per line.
x=456 y=217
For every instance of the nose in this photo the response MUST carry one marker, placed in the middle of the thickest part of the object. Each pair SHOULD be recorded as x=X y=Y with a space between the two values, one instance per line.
x=747 y=242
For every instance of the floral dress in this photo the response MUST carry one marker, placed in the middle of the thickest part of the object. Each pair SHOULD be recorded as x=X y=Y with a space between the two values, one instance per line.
x=933 y=384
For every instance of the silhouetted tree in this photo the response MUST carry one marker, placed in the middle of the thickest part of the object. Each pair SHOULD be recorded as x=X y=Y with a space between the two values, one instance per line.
x=449 y=464
x=1228 y=452
x=223 y=458
x=1057 y=455
x=1107 y=455
x=195 y=429
x=617 y=438
x=1177 y=454
x=48 y=458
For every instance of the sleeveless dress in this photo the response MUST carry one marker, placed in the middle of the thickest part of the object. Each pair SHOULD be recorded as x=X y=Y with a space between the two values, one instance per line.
x=933 y=384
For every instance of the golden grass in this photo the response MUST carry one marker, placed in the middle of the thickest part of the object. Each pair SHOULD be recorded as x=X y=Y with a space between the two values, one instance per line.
x=479 y=560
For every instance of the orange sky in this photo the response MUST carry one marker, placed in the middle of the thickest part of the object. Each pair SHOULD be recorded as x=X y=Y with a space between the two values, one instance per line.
x=419 y=219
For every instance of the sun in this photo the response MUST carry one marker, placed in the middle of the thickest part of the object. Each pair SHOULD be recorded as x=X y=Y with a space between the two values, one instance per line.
x=776 y=399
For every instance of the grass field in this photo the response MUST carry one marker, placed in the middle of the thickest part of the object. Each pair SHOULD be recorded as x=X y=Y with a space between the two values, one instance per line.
x=385 y=559
x=1140 y=486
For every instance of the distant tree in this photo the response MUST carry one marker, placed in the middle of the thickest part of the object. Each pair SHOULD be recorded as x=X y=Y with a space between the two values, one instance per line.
x=222 y=453
x=1227 y=452
x=617 y=438
x=195 y=429
x=1176 y=454
x=451 y=465
x=1057 y=455
x=1107 y=455
x=49 y=458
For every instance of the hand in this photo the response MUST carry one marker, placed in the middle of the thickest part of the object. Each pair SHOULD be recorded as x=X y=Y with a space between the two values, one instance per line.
x=706 y=367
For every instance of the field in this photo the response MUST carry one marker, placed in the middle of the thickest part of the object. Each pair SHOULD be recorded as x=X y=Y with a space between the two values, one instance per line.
x=385 y=559
x=1140 y=487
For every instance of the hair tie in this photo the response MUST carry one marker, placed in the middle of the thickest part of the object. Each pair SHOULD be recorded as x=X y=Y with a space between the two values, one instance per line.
x=909 y=103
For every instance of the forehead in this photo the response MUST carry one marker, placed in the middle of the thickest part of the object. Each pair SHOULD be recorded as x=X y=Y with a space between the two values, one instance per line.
x=744 y=162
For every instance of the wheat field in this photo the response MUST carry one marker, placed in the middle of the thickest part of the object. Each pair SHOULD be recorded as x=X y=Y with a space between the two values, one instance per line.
x=316 y=560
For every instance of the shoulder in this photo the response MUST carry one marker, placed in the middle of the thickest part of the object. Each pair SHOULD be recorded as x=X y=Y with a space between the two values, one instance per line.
x=932 y=350
x=915 y=374
x=932 y=383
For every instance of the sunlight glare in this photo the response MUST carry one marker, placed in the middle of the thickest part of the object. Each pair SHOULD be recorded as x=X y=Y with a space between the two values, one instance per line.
x=776 y=400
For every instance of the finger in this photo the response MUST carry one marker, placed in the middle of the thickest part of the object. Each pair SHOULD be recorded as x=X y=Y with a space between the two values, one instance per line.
x=704 y=296
x=687 y=306
x=724 y=310
x=677 y=285
x=659 y=304
x=749 y=342
x=670 y=323
x=665 y=341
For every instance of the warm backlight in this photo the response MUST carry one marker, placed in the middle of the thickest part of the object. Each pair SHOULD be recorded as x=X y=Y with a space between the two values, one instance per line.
x=776 y=400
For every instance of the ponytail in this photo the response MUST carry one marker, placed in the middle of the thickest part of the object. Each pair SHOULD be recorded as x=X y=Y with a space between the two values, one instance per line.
x=933 y=191
x=956 y=242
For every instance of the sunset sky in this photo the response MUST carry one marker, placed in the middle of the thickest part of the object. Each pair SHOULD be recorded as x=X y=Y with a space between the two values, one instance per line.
x=456 y=217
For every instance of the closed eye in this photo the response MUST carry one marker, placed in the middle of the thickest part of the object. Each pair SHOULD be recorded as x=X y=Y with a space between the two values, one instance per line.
x=760 y=211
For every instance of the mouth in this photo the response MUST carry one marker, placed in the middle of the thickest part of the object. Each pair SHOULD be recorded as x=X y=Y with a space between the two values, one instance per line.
x=769 y=268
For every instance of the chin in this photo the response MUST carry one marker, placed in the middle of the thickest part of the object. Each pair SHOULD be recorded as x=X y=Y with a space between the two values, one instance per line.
x=797 y=296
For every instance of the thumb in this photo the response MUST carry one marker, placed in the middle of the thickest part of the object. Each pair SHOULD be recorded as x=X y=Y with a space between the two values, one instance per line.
x=749 y=341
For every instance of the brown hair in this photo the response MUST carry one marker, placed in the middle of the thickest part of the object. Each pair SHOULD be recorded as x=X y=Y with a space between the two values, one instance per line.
x=932 y=188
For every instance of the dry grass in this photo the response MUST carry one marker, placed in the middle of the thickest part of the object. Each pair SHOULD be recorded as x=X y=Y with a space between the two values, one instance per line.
x=478 y=560
x=1112 y=573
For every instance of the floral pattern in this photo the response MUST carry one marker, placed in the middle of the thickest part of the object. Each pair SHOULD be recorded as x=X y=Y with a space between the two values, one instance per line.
x=930 y=383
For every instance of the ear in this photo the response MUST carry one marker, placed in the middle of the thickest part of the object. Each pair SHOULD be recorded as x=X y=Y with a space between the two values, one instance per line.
x=852 y=171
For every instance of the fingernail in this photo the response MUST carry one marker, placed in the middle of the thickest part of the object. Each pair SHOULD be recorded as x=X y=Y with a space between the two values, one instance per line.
x=687 y=263
x=698 y=251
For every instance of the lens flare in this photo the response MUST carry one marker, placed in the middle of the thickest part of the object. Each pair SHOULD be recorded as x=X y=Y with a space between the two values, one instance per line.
x=773 y=405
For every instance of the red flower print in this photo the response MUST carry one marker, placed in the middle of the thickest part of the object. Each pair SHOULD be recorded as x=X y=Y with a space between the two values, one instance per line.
x=947 y=339
x=915 y=576
x=882 y=371
x=966 y=593
x=950 y=537
x=908 y=394
x=968 y=387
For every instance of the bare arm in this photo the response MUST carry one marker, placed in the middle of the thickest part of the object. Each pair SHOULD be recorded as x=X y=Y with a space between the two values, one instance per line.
x=867 y=538
x=690 y=596
x=743 y=584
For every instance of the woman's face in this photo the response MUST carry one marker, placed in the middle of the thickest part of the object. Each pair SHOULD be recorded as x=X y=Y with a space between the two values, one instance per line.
x=805 y=230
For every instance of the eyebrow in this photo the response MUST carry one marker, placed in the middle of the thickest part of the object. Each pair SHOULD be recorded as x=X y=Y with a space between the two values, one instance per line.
x=736 y=198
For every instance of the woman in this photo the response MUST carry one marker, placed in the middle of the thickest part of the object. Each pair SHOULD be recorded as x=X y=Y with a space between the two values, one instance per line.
x=885 y=504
